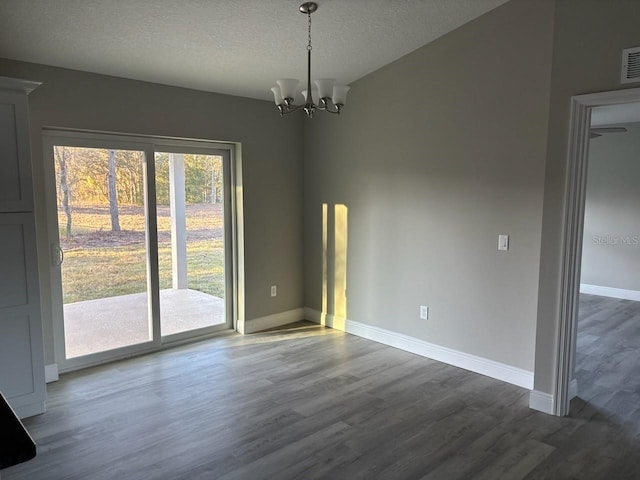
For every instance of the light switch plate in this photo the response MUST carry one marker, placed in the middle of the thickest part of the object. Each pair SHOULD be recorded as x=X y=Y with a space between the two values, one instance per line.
x=503 y=242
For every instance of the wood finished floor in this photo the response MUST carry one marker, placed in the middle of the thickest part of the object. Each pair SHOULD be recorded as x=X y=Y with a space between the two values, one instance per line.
x=310 y=402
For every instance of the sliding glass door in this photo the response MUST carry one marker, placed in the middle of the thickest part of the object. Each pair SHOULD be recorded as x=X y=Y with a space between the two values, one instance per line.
x=102 y=232
x=141 y=253
x=190 y=199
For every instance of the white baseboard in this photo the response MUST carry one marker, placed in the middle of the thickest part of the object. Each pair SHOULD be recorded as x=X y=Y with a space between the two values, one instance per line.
x=473 y=363
x=326 y=319
x=51 y=373
x=272 y=321
x=610 y=292
x=25 y=411
x=573 y=389
x=543 y=402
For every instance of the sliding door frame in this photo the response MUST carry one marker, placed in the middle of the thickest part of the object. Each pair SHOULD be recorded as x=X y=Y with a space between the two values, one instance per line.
x=149 y=145
x=228 y=234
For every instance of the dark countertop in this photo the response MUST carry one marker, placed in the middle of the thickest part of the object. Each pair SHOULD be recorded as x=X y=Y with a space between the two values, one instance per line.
x=16 y=445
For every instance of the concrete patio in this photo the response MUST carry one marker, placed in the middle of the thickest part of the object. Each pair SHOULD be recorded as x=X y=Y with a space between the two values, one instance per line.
x=107 y=323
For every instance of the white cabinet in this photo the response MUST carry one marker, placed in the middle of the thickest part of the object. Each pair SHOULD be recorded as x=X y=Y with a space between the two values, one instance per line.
x=16 y=191
x=21 y=352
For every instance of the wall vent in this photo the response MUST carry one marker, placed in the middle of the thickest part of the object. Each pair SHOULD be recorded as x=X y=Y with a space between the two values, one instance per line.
x=630 y=65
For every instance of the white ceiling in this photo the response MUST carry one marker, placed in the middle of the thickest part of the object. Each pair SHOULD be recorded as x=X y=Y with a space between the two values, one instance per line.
x=614 y=114
x=237 y=47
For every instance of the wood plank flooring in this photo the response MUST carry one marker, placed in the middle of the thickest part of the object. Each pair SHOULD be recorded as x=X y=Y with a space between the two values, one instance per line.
x=308 y=402
x=608 y=360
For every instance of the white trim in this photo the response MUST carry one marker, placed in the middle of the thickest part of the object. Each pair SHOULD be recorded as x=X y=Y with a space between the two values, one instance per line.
x=573 y=389
x=271 y=321
x=573 y=221
x=51 y=373
x=473 y=363
x=29 y=410
x=610 y=292
x=543 y=402
x=574 y=204
x=326 y=319
x=102 y=360
x=26 y=86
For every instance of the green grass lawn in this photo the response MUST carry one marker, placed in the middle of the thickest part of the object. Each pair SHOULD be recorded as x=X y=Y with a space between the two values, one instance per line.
x=100 y=272
x=100 y=263
x=95 y=218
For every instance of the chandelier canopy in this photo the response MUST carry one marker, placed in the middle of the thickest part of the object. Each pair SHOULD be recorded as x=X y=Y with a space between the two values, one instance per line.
x=332 y=96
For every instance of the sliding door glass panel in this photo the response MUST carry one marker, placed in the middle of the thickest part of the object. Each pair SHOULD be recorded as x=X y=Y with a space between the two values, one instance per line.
x=101 y=219
x=190 y=209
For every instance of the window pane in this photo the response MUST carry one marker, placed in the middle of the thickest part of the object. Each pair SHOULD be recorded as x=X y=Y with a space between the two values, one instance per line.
x=190 y=241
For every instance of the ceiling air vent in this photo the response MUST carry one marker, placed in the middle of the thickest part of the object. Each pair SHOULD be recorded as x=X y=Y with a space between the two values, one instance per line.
x=630 y=65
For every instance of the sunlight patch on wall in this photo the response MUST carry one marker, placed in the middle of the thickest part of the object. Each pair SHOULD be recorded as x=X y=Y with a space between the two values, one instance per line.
x=334 y=266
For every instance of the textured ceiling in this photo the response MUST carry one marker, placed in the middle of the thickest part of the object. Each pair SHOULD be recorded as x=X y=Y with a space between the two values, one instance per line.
x=237 y=47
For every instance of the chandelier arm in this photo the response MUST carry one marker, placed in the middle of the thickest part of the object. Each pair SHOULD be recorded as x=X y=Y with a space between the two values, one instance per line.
x=285 y=110
x=291 y=108
x=326 y=107
x=336 y=111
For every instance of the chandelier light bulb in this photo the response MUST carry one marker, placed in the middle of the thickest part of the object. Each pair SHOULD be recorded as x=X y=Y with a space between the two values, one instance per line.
x=325 y=87
x=288 y=88
x=277 y=95
x=340 y=95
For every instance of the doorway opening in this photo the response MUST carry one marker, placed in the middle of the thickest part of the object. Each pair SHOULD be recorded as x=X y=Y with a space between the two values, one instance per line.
x=608 y=332
x=142 y=230
x=575 y=200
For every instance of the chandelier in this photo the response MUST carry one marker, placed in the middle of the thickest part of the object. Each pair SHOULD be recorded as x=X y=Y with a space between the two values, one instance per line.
x=332 y=97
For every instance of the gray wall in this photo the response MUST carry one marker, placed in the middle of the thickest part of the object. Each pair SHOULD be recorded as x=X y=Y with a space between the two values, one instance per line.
x=589 y=36
x=271 y=151
x=472 y=136
x=434 y=156
x=611 y=246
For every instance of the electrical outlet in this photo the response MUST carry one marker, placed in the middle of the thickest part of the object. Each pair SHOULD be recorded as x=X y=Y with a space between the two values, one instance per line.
x=424 y=312
x=274 y=290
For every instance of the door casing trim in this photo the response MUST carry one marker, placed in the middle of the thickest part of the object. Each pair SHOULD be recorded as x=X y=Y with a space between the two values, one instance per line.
x=574 y=204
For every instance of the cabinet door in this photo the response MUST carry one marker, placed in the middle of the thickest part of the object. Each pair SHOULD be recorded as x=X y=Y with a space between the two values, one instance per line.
x=15 y=162
x=21 y=355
